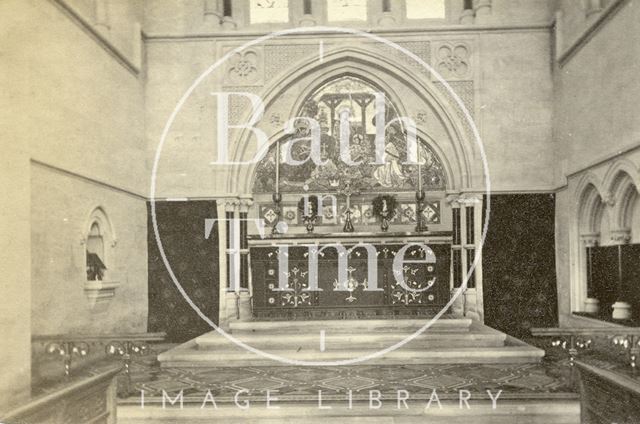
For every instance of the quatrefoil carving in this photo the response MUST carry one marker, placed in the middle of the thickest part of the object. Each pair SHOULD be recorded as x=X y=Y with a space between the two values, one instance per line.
x=453 y=60
x=243 y=67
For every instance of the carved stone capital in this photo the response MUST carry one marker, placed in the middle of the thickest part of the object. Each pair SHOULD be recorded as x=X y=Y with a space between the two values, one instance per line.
x=469 y=199
x=590 y=239
x=464 y=199
x=231 y=205
x=245 y=204
x=608 y=199
x=621 y=236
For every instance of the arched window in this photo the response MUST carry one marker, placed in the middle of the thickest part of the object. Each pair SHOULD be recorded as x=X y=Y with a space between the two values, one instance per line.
x=355 y=99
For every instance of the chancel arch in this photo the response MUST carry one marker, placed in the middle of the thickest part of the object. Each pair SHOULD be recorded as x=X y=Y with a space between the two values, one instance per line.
x=452 y=173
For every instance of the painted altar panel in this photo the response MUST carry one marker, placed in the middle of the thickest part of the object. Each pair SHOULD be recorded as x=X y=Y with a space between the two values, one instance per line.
x=355 y=302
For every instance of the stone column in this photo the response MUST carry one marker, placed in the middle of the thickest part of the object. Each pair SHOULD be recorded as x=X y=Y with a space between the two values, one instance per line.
x=101 y=18
x=467 y=16
x=381 y=16
x=593 y=7
x=245 y=310
x=591 y=304
x=231 y=311
x=213 y=13
x=457 y=307
x=303 y=12
x=477 y=210
x=471 y=203
x=222 y=265
x=621 y=309
x=238 y=16
x=558 y=32
x=482 y=11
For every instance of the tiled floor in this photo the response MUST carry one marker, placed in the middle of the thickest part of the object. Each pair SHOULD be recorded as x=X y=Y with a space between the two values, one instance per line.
x=550 y=378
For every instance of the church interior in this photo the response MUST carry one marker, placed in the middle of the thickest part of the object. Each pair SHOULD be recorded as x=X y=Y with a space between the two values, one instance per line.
x=311 y=210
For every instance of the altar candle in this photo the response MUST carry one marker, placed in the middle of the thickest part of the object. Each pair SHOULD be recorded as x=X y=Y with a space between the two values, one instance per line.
x=419 y=177
x=277 y=167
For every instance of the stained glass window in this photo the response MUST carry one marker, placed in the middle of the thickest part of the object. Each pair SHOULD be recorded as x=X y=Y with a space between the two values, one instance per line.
x=352 y=100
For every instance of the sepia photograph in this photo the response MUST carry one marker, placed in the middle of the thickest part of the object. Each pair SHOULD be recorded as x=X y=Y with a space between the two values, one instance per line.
x=320 y=211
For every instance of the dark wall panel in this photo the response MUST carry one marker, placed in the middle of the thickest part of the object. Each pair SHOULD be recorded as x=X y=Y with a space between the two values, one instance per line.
x=194 y=261
x=518 y=262
x=607 y=263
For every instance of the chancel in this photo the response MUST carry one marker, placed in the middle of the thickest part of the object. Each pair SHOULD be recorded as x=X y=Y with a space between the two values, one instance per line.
x=279 y=210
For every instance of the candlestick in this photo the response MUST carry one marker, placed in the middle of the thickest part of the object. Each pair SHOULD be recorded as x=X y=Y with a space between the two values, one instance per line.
x=277 y=166
x=420 y=227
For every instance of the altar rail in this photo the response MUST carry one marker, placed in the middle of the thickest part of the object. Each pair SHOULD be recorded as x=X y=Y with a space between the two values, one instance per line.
x=52 y=366
x=87 y=400
x=606 y=396
x=576 y=340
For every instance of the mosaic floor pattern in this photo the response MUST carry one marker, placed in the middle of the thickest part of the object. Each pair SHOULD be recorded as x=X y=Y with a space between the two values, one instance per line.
x=550 y=378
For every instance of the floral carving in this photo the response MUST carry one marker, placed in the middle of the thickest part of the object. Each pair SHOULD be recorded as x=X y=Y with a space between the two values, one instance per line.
x=244 y=68
x=453 y=60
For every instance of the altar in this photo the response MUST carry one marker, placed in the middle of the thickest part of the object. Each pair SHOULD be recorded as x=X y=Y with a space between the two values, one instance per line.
x=424 y=261
x=335 y=200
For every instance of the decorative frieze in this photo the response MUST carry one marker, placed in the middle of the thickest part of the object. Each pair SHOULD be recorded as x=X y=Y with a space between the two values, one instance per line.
x=590 y=239
x=279 y=58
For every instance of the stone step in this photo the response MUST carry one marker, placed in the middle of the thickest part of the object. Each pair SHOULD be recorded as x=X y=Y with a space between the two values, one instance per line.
x=514 y=352
x=534 y=411
x=350 y=326
x=360 y=340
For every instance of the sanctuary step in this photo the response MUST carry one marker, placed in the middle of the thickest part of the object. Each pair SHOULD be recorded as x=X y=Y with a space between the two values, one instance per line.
x=446 y=341
x=543 y=411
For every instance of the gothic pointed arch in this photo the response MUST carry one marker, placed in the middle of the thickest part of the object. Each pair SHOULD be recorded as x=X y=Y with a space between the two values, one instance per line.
x=455 y=148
